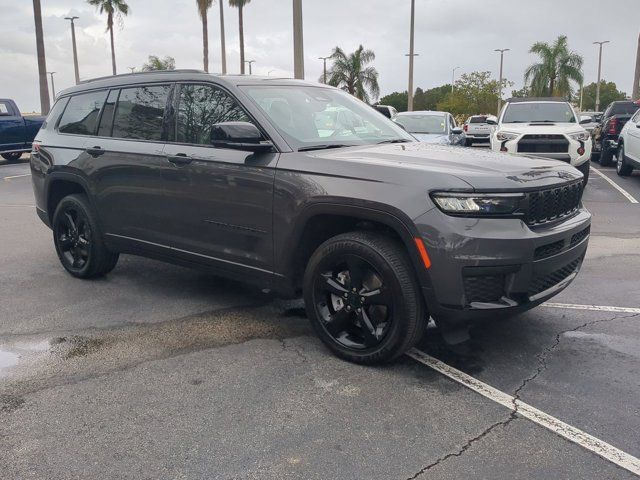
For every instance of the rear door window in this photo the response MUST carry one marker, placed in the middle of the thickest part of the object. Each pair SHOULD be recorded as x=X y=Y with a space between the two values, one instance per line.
x=140 y=113
x=81 y=115
x=4 y=109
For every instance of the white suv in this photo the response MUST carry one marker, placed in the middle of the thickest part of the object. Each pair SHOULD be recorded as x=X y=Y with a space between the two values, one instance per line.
x=628 y=156
x=543 y=127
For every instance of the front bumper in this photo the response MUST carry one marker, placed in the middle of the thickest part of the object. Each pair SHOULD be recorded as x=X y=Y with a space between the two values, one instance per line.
x=571 y=156
x=489 y=267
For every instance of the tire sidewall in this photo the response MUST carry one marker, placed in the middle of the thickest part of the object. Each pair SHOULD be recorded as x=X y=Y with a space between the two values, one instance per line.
x=620 y=160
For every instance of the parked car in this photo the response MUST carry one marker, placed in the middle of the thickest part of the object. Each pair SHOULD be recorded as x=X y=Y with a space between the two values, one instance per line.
x=593 y=120
x=477 y=129
x=387 y=110
x=628 y=154
x=543 y=127
x=16 y=131
x=232 y=175
x=605 y=135
x=432 y=127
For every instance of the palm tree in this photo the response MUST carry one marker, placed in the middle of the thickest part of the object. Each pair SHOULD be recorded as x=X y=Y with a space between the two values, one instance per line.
x=113 y=8
x=157 y=63
x=558 y=67
x=42 y=63
x=203 y=6
x=240 y=5
x=350 y=73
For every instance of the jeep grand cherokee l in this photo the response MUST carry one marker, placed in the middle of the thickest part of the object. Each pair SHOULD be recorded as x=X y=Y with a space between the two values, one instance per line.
x=298 y=186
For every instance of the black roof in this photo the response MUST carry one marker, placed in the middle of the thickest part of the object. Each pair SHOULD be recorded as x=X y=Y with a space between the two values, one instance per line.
x=535 y=99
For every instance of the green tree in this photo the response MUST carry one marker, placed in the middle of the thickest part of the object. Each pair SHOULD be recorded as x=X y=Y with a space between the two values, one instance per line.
x=558 y=67
x=114 y=9
x=203 y=8
x=351 y=73
x=608 y=93
x=240 y=4
x=429 y=99
x=157 y=63
x=522 y=93
x=397 y=100
x=473 y=93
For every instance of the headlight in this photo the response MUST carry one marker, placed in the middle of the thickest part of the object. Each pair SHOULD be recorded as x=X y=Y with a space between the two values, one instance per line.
x=477 y=204
x=579 y=136
x=506 y=136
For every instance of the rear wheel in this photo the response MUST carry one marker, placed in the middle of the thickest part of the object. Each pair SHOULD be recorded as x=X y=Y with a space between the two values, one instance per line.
x=605 y=155
x=468 y=143
x=362 y=297
x=622 y=167
x=77 y=239
x=12 y=157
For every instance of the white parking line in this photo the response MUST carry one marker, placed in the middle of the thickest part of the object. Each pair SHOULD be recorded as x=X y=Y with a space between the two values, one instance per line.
x=595 y=308
x=626 y=194
x=575 y=435
x=16 y=176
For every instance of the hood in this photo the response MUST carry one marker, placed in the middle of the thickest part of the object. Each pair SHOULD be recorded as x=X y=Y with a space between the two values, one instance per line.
x=541 y=128
x=480 y=169
x=439 y=138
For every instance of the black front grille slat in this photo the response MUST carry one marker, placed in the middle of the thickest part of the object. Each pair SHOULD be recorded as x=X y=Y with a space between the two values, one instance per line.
x=548 y=250
x=543 y=144
x=540 y=283
x=484 y=288
x=578 y=237
x=553 y=203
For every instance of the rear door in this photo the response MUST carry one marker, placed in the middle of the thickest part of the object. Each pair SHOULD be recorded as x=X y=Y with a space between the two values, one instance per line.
x=12 y=129
x=632 y=147
x=224 y=213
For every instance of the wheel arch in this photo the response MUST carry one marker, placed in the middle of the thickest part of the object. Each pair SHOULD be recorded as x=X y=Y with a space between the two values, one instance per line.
x=61 y=184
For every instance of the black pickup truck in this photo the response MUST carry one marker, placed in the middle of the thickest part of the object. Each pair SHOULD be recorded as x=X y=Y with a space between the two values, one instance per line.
x=16 y=132
x=605 y=134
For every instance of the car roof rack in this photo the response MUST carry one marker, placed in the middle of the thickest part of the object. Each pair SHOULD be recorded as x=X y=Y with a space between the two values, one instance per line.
x=106 y=77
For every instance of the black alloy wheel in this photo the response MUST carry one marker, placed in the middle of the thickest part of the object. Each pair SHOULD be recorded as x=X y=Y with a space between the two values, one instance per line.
x=73 y=239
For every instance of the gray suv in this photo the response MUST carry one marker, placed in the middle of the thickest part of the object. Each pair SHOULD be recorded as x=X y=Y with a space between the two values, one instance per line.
x=300 y=187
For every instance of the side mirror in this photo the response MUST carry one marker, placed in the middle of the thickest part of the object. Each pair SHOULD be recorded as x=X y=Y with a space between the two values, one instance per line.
x=584 y=119
x=491 y=121
x=456 y=131
x=239 y=136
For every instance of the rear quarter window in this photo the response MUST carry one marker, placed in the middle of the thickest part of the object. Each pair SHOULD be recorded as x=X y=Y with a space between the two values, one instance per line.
x=140 y=112
x=54 y=113
x=81 y=115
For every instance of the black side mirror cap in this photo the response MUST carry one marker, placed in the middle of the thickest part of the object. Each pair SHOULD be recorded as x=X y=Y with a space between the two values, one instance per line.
x=239 y=136
x=456 y=131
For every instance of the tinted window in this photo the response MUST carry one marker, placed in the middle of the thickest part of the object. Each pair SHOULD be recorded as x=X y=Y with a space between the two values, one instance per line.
x=478 y=120
x=104 y=129
x=623 y=108
x=81 y=115
x=140 y=112
x=4 y=108
x=541 y=112
x=200 y=108
x=54 y=113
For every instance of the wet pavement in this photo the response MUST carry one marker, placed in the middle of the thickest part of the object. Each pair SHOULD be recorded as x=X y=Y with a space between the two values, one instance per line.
x=161 y=372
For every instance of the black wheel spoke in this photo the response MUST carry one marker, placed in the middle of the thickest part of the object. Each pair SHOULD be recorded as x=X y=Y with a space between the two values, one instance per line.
x=70 y=221
x=356 y=272
x=377 y=296
x=369 y=334
x=338 y=322
x=334 y=286
x=65 y=242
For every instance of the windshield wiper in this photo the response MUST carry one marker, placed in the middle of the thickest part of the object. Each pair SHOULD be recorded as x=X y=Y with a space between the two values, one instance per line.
x=396 y=140
x=323 y=146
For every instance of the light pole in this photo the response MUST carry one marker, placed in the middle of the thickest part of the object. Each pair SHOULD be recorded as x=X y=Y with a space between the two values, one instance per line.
x=298 y=41
x=411 y=55
x=223 y=48
x=324 y=61
x=453 y=77
x=599 y=72
x=53 y=86
x=250 y=62
x=581 y=94
x=75 y=50
x=501 y=50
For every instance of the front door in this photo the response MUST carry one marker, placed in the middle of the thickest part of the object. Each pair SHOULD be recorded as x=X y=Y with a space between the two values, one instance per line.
x=13 y=128
x=224 y=214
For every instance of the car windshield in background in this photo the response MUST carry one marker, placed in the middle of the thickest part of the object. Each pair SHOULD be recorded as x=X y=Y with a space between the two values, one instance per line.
x=624 y=108
x=423 y=123
x=313 y=117
x=539 y=112
x=478 y=120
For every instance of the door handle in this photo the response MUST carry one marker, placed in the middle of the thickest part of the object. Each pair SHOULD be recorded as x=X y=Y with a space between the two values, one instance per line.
x=179 y=159
x=95 y=151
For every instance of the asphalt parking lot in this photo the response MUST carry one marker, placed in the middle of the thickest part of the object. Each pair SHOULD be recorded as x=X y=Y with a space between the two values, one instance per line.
x=161 y=372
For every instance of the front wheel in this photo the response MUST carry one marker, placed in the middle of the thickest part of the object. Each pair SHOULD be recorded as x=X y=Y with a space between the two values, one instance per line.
x=363 y=299
x=12 y=157
x=77 y=239
x=622 y=167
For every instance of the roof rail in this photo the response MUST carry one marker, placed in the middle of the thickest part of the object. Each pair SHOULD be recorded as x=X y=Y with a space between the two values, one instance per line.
x=184 y=70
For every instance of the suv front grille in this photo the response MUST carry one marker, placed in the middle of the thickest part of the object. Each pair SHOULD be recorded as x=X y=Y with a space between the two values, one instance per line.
x=543 y=144
x=540 y=283
x=484 y=288
x=553 y=203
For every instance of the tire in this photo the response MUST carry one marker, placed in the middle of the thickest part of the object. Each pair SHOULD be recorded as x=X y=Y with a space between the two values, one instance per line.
x=78 y=240
x=605 y=156
x=362 y=326
x=12 y=157
x=468 y=143
x=622 y=167
x=585 y=168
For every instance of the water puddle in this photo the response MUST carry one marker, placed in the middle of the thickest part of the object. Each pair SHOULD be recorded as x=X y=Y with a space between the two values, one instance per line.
x=10 y=357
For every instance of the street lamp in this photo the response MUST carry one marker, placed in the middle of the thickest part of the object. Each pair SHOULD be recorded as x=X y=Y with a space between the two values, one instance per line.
x=599 y=72
x=453 y=77
x=324 y=61
x=298 y=40
x=53 y=87
x=75 y=50
x=250 y=62
x=411 y=54
x=501 y=50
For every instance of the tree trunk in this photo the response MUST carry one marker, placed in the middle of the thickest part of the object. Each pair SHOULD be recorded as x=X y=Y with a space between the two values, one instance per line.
x=113 y=51
x=223 y=48
x=552 y=86
x=42 y=63
x=241 y=27
x=205 y=42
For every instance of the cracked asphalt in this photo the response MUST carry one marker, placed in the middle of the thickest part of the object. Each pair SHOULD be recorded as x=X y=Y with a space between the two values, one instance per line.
x=161 y=372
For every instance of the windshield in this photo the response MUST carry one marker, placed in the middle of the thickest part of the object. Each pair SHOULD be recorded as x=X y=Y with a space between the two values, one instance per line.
x=543 y=112
x=309 y=117
x=623 y=108
x=421 y=123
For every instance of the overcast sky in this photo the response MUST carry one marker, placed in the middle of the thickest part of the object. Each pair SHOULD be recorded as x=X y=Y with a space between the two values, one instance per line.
x=449 y=33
